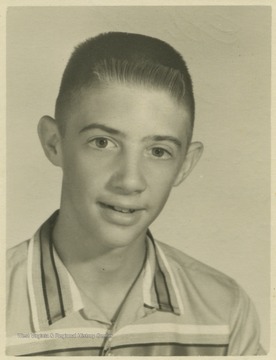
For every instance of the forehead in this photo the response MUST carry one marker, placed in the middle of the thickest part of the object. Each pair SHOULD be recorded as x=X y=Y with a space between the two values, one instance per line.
x=129 y=107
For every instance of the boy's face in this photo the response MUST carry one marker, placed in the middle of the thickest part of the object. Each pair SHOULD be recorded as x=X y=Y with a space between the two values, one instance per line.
x=123 y=151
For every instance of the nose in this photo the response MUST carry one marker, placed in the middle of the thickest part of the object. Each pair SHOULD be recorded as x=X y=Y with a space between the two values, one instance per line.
x=128 y=176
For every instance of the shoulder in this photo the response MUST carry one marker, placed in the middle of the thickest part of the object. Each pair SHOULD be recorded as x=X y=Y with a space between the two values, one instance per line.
x=201 y=281
x=185 y=263
x=18 y=253
x=211 y=297
x=17 y=298
x=17 y=259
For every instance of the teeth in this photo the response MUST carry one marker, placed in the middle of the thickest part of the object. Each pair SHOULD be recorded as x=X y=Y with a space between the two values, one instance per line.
x=125 y=211
x=119 y=209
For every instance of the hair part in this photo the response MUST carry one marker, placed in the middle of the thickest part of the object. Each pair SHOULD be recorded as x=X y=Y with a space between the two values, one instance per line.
x=124 y=58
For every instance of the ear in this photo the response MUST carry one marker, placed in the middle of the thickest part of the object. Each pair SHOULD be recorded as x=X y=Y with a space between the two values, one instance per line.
x=194 y=153
x=50 y=139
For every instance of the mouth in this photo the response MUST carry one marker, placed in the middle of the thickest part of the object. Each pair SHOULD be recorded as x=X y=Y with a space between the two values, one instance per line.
x=123 y=210
x=121 y=214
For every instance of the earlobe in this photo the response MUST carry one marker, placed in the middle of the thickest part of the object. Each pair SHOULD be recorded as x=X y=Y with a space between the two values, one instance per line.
x=50 y=139
x=193 y=155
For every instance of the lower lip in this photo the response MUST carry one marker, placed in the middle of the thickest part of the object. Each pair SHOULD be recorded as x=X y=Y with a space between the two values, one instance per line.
x=120 y=218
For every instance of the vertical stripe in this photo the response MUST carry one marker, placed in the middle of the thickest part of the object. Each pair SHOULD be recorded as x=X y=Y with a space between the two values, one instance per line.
x=179 y=300
x=162 y=289
x=157 y=293
x=43 y=282
x=56 y=277
x=31 y=285
x=52 y=282
x=161 y=285
x=147 y=281
x=49 y=281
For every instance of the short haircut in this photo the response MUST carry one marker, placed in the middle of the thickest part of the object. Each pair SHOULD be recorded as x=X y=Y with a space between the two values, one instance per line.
x=129 y=59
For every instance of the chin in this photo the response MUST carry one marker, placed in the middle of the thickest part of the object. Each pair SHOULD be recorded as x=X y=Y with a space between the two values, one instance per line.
x=120 y=237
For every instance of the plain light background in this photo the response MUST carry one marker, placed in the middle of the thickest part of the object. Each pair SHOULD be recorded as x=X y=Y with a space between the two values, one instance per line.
x=221 y=214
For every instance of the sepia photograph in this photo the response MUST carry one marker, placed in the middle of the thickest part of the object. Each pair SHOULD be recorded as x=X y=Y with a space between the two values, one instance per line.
x=138 y=180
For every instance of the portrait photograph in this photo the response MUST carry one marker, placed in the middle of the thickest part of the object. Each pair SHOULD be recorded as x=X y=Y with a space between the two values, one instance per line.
x=138 y=180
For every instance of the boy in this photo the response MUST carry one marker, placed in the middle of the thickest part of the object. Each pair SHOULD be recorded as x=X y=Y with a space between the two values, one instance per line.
x=93 y=280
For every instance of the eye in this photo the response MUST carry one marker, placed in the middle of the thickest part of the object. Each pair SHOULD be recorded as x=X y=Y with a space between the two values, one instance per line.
x=102 y=143
x=161 y=153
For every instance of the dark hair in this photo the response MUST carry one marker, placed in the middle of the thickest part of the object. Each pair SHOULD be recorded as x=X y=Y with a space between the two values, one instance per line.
x=125 y=58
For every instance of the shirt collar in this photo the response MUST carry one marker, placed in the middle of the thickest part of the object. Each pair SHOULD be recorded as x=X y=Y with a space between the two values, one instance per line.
x=54 y=294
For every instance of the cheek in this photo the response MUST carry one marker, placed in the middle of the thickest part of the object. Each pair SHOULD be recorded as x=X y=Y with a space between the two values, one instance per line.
x=83 y=174
x=160 y=187
x=163 y=175
x=75 y=172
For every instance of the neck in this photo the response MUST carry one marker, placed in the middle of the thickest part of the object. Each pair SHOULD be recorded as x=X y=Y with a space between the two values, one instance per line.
x=88 y=260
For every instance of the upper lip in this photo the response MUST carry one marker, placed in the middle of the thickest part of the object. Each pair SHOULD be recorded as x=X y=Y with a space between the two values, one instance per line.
x=122 y=206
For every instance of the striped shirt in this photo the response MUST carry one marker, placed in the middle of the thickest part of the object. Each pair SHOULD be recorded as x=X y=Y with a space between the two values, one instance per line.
x=178 y=306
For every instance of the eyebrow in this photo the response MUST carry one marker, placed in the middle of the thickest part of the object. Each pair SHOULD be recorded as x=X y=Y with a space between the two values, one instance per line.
x=172 y=139
x=113 y=131
x=101 y=127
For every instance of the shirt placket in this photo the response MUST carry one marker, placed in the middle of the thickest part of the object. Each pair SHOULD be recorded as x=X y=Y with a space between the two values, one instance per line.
x=106 y=351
